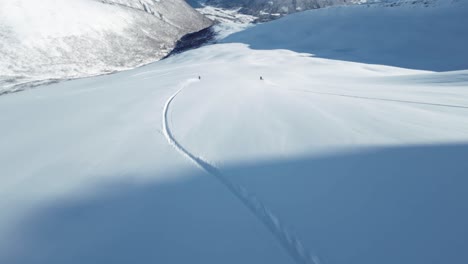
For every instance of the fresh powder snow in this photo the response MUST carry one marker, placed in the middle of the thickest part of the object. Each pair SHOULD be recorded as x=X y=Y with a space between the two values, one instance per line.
x=329 y=159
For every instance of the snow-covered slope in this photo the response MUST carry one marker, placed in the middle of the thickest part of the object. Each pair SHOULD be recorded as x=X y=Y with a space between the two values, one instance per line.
x=53 y=39
x=267 y=10
x=341 y=154
x=410 y=36
x=324 y=161
x=228 y=21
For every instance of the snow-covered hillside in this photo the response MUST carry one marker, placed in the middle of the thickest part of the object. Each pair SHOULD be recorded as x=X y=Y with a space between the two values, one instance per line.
x=227 y=21
x=272 y=9
x=52 y=39
x=410 y=36
x=324 y=161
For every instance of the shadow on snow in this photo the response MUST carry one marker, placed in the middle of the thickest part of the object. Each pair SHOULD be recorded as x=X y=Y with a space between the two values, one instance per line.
x=433 y=38
x=405 y=205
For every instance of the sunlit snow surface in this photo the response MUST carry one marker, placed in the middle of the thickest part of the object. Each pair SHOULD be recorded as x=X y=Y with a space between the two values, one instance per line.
x=341 y=161
x=228 y=21
x=42 y=41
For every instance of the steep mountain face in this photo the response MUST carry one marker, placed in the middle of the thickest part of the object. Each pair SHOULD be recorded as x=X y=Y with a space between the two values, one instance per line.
x=275 y=8
x=53 y=39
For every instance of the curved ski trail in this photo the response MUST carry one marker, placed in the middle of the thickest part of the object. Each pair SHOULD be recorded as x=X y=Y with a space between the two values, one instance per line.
x=288 y=241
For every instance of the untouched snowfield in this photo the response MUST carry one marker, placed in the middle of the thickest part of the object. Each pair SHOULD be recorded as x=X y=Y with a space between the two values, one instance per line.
x=323 y=162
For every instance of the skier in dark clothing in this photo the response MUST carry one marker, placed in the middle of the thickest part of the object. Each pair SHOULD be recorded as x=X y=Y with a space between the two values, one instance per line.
x=261 y=78
x=199 y=77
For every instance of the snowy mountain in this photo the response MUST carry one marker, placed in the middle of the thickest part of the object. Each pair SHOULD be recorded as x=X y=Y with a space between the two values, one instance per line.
x=351 y=150
x=227 y=21
x=267 y=10
x=50 y=39
x=403 y=34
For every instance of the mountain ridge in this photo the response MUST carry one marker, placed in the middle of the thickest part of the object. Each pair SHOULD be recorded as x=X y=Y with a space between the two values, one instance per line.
x=79 y=38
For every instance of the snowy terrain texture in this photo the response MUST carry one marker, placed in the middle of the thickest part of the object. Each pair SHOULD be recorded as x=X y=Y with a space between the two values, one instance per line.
x=328 y=160
x=410 y=36
x=227 y=21
x=266 y=10
x=55 y=39
x=269 y=9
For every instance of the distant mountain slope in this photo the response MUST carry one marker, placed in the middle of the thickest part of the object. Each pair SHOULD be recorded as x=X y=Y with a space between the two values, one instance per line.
x=267 y=10
x=427 y=35
x=195 y=3
x=275 y=8
x=52 y=39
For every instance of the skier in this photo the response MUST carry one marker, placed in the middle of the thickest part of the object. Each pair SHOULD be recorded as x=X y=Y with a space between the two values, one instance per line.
x=199 y=77
x=261 y=78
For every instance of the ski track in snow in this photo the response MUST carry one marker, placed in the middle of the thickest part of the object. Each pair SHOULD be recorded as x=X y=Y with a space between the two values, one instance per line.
x=289 y=242
x=381 y=99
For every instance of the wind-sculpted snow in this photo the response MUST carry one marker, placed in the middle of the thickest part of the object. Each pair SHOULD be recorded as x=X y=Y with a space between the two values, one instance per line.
x=48 y=39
